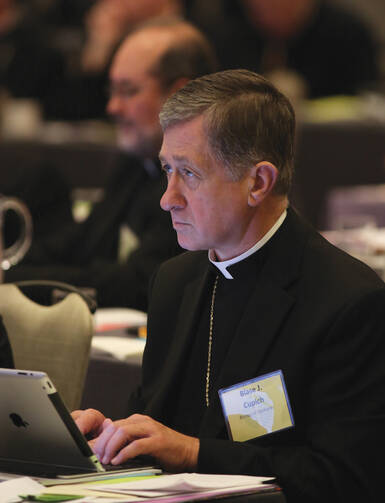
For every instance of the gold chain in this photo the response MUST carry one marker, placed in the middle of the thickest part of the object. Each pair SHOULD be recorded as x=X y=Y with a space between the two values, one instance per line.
x=210 y=342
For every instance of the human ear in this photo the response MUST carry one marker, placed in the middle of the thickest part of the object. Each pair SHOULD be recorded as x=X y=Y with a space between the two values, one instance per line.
x=263 y=177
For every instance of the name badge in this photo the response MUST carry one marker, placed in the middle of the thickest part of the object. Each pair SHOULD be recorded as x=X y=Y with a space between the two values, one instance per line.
x=256 y=407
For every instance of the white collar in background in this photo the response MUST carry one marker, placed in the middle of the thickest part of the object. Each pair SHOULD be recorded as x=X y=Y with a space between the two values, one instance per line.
x=222 y=266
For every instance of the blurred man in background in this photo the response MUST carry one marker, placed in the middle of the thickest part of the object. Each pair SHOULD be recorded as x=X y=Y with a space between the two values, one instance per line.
x=310 y=48
x=127 y=235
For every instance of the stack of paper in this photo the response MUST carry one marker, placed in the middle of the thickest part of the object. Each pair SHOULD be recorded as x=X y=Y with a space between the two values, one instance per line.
x=188 y=486
x=176 y=488
x=11 y=489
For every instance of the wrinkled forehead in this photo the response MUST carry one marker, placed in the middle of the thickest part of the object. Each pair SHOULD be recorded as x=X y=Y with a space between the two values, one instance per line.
x=185 y=135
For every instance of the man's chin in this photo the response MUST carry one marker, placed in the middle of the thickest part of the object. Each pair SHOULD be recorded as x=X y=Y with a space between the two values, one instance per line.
x=188 y=245
x=140 y=149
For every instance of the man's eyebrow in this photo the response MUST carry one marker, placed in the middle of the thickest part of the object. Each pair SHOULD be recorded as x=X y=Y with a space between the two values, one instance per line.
x=123 y=82
x=182 y=158
x=177 y=158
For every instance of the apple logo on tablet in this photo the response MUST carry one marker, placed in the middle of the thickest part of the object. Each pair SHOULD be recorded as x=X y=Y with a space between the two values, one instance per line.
x=18 y=420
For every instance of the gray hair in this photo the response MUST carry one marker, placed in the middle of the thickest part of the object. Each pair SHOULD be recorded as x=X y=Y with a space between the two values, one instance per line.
x=246 y=120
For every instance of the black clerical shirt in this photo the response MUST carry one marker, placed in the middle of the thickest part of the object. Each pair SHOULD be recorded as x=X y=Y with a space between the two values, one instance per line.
x=230 y=301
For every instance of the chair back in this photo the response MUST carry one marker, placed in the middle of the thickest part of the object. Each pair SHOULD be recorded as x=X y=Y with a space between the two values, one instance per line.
x=55 y=339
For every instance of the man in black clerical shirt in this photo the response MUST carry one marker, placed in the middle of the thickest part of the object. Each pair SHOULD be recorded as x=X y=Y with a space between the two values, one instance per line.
x=266 y=344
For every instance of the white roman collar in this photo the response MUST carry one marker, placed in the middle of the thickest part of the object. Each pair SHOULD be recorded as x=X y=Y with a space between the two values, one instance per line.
x=222 y=266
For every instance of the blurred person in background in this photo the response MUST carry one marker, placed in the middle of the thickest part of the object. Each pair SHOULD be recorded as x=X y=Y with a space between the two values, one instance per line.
x=29 y=67
x=108 y=21
x=126 y=236
x=311 y=47
x=62 y=13
x=82 y=95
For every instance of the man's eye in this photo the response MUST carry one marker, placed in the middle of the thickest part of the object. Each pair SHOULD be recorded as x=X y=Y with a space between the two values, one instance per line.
x=121 y=90
x=166 y=169
x=187 y=173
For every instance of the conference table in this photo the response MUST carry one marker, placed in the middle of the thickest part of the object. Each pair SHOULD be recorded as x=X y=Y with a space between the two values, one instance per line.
x=273 y=497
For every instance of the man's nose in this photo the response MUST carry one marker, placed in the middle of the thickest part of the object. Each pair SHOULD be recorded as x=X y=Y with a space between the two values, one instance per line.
x=172 y=198
x=114 y=104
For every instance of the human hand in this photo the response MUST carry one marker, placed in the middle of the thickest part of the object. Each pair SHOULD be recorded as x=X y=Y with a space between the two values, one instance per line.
x=90 y=422
x=137 y=435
